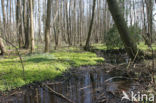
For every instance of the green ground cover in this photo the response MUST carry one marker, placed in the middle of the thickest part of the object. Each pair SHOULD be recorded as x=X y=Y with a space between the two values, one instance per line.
x=40 y=67
x=140 y=45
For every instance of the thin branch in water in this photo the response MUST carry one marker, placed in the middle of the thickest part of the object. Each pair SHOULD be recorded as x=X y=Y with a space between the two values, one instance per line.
x=57 y=94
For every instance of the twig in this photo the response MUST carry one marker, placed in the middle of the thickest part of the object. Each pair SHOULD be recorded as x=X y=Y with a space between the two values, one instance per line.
x=132 y=62
x=129 y=64
x=135 y=56
x=57 y=94
x=17 y=53
x=85 y=87
x=54 y=83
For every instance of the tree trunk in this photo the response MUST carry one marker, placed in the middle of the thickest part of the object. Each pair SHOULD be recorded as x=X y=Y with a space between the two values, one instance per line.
x=31 y=27
x=121 y=24
x=26 y=23
x=3 y=10
x=39 y=21
x=68 y=23
x=2 y=49
x=149 y=7
x=19 y=23
x=90 y=27
x=47 y=28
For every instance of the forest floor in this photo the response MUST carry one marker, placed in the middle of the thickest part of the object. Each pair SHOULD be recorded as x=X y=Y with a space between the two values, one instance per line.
x=84 y=84
x=89 y=71
x=40 y=67
x=141 y=46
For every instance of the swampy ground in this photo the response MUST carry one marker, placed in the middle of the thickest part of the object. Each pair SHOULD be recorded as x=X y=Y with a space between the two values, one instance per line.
x=98 y=76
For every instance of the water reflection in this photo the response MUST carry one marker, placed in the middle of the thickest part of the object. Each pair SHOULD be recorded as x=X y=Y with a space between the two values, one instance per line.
x=81 y=88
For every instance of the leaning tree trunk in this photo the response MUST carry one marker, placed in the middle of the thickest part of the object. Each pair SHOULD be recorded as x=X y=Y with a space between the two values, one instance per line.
x=90 y=27
x=47 y=28
x=121 y=24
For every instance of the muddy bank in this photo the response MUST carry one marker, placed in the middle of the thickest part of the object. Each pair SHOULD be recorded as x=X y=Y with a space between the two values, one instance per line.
x=86 y=84
x=114 y=56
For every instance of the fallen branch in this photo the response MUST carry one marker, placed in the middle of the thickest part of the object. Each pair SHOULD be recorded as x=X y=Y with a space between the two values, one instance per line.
x=15 y=93
x=54 y=83
x=85 y=87
x=119 y=77
x=57 y=94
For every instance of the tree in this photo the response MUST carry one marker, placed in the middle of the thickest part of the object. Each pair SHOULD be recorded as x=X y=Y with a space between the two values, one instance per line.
x=31 y=27
x=68 y=22
x=47 y=28
x=121 y=24
x=26 y=23
x=39 y=20
x=90 y=27
x=2 y=49
x=19 y=22
x=149 y=7
x=3 y=10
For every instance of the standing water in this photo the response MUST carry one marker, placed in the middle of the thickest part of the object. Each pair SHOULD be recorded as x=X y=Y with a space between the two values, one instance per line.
x=82 y=86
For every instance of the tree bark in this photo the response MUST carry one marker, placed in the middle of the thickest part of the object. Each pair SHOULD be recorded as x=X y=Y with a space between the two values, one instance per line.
x=39 y=21
x=3 y=10
x=47 y=28
x=121 y=24
x=2 y=49
x=149 y=7
x=90 y=27
x=19 y=23
x=32 y=27
x=26 y=23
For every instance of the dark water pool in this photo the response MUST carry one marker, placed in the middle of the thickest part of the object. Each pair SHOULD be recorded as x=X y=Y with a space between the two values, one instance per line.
x=84 y=86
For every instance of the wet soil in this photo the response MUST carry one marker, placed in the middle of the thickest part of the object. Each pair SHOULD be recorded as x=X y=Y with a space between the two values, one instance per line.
x=103 y=83
x=86 y=84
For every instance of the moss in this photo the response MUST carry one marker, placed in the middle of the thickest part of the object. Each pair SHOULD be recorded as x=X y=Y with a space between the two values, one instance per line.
x=39 y=67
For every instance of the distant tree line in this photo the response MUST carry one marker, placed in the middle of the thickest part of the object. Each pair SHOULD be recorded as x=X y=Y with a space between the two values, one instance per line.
x=48 y=24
